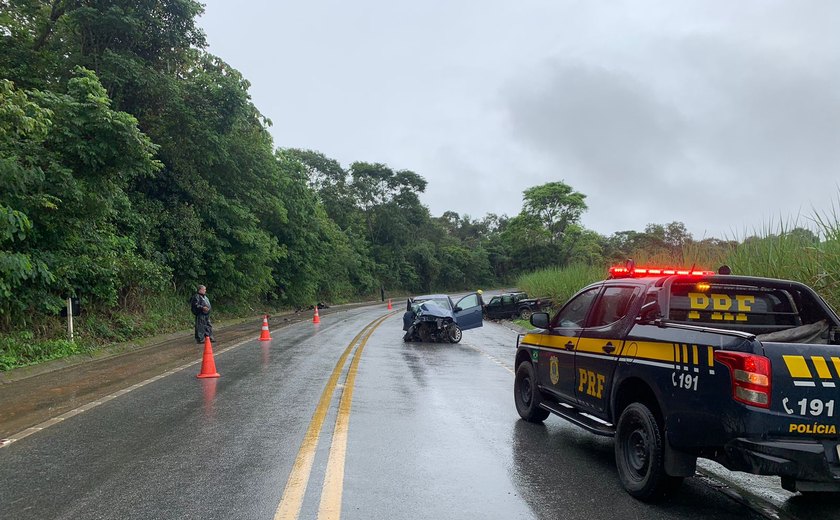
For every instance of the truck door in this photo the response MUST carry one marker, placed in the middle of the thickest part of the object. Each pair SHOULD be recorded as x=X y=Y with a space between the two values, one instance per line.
x=600 y=344
x=468 y=312
x=492 y=308
x=556 y=363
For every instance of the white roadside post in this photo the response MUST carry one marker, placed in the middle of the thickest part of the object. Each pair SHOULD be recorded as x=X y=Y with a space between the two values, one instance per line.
x=70 y=318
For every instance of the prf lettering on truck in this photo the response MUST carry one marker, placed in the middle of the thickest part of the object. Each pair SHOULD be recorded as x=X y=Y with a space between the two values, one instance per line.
x=593 y=381
x=723 y=307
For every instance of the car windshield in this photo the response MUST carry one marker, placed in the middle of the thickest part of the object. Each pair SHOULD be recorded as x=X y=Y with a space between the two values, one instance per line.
x=441 y=301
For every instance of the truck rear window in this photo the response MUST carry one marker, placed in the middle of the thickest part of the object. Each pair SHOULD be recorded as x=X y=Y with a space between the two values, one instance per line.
x=748 y=308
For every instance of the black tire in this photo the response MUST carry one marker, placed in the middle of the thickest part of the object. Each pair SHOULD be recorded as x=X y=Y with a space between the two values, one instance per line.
x=455 y=333
x=526 y=394
x=639 y=455
x=525 y=313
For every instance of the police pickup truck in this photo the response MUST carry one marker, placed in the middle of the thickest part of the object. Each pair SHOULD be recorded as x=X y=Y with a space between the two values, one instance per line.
x=681 y=364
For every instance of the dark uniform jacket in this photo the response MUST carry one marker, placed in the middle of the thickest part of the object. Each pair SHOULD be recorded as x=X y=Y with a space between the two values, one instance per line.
x=203 y=326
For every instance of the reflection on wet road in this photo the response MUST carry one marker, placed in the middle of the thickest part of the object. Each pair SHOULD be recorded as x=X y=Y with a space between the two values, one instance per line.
x=432 y=433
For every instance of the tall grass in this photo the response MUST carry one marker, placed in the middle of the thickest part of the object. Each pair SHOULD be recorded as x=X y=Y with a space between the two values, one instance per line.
x=780 y=249
x=694 y=254
x=776 y=252
x=559 y=284
x=828 y=278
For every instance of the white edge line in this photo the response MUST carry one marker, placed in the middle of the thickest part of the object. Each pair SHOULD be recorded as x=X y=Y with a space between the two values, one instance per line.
x=93 y=404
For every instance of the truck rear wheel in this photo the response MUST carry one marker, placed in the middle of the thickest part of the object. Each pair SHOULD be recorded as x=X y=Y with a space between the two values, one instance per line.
x=639 y=455
x=526 y=394
x=525 y=313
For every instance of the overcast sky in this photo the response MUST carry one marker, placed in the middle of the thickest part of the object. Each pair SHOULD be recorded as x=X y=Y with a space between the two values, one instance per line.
x=724 y=115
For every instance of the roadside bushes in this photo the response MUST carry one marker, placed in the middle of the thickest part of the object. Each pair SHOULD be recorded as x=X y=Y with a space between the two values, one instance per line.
x=21 y=349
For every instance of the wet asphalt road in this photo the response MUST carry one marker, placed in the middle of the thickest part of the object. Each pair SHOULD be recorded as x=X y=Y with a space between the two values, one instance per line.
x=411 y=431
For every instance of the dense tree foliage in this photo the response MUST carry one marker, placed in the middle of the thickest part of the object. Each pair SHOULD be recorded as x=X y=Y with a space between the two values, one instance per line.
x=67 y=160
x=134 y=163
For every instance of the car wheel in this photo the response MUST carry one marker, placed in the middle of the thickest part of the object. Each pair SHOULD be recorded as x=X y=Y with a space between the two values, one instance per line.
x=455 y=333
x=639 y=455
x=526 y=394
x=425 y=332
x=525 y=313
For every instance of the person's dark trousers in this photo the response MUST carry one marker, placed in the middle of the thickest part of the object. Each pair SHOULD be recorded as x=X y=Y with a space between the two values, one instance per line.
x=203 y=328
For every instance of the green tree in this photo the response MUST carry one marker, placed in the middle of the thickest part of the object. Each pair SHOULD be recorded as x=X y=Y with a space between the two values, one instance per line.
x=65 y=170
x=556 y=205
x=24 y=126
x=330 y=182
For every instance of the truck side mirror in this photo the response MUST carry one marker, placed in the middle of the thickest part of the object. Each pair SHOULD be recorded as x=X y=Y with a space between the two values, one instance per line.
x=648 y=312
x=540 y=320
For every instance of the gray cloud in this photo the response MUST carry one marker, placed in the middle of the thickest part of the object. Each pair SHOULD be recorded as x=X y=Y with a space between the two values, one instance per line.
x=601 y=123
x=719 y=114
x=718 y=134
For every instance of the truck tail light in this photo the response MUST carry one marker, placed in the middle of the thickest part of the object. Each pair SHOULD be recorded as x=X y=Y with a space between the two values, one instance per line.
x=751 y=377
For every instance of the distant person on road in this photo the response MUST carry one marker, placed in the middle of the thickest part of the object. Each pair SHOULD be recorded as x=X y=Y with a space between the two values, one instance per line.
x=200 y=305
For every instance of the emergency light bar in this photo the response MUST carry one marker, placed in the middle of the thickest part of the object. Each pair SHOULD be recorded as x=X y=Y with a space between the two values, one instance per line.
x=629 y=272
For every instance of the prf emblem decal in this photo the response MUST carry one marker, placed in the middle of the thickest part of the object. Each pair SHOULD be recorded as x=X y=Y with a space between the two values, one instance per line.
x=535 y=355
x=555 y=370
x=723 y=307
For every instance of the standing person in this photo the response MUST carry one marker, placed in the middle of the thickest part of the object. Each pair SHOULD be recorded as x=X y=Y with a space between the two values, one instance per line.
x=200 y=305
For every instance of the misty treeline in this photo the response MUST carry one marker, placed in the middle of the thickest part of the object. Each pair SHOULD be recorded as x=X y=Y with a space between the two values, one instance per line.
x=134 y=163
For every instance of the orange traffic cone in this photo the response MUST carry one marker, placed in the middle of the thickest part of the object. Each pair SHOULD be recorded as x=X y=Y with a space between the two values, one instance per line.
x=265 y=335
x=389 y=304
x=208 y=365
x=316 y=318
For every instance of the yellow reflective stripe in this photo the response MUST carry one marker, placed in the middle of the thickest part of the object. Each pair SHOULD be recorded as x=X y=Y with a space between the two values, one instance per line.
x=836 y=362
x=797 y=367
x=548 y=340
x=822 y=367
x=594 y=344
x=657 y=351
x=648 y=350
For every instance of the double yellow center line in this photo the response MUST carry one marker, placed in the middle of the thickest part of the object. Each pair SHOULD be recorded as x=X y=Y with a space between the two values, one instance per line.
x=330 y=506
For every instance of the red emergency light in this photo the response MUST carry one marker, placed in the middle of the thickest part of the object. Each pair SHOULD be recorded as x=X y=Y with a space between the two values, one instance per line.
x=629 y=272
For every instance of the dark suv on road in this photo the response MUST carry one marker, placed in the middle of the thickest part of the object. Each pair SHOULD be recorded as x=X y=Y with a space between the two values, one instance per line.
x=513 y=305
